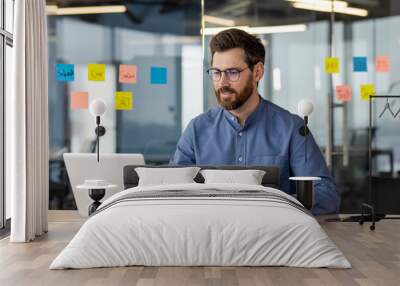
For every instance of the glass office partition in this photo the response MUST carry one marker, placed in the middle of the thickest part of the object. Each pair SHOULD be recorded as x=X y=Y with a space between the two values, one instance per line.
x=161 y=40
x=153 y=35
x=295 y=69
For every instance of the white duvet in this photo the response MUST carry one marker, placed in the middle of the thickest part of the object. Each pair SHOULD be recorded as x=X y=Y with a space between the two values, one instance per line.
x=200 y=231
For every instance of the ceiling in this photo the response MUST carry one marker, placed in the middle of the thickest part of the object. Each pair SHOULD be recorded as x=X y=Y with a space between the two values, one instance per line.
x=270 y=12
x=165 y=5
x=244 y=12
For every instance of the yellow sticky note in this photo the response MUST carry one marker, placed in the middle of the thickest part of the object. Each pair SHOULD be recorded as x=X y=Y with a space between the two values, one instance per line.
x=331 y=65
x=96 y=72
x=366 y=90
x=123 y=100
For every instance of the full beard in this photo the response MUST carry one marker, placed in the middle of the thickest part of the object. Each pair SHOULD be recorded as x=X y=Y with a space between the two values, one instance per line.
x=237 y=99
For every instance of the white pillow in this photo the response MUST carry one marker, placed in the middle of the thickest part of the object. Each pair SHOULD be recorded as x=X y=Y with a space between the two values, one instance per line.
x=248 y=177
x=165 y=176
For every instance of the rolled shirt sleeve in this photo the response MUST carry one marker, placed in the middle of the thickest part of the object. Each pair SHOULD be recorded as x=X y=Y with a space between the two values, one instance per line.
x=185 y=153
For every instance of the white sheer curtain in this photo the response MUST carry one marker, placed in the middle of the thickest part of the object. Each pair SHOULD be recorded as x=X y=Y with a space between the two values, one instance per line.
x=27 y=124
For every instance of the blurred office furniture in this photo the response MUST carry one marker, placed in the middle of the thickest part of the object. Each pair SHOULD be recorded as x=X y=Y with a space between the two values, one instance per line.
x=84 y=166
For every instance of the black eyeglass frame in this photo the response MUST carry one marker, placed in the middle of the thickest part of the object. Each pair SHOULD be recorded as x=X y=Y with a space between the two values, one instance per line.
x=211 y=75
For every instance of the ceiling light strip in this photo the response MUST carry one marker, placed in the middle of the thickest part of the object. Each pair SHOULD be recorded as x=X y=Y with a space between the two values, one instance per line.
x=54 y=10
x=260 y=30
x=219 y=21
x=324 y=3
x=341 y=10
x=278 y=29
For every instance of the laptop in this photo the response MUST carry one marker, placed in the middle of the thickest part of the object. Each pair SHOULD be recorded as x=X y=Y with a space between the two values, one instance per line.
x=84 y=166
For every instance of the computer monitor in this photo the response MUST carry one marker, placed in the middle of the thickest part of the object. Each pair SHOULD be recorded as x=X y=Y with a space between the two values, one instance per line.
x=84 y=166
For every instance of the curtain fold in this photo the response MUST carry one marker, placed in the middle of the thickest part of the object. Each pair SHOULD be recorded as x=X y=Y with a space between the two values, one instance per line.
x=27 y=123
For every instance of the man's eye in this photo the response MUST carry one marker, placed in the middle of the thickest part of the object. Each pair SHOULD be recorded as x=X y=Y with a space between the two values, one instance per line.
x=232 y=72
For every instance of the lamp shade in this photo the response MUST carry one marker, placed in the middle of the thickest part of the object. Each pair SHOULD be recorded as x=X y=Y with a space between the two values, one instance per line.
x=97 y=107
x=305 y=107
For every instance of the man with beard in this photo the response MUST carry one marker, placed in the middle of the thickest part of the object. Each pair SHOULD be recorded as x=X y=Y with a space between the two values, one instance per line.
x=246 y=129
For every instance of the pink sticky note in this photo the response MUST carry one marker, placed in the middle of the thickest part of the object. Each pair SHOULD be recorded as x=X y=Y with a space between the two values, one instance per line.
x=382 y=64
x=79 y=100
x=127 y=73
x=343 y=92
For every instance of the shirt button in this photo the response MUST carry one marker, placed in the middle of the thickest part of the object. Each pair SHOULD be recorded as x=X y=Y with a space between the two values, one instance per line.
x=240 y=134
x=240 y=159
x=232 y=117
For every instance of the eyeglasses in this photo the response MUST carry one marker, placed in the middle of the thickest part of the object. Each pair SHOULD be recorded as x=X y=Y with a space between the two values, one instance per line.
x=232 y=74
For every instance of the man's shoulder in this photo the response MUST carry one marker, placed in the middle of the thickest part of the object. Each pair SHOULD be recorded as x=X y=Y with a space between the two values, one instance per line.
x=281 y=114
x=208 y=118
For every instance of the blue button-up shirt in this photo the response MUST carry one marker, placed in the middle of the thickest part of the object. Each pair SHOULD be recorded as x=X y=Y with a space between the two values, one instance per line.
x=270 y=136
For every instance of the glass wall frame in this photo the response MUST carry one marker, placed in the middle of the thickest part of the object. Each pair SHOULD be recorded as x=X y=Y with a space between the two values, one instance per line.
x=6 y=43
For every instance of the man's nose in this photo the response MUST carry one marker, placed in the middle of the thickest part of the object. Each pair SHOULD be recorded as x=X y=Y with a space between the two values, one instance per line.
x=224 y=81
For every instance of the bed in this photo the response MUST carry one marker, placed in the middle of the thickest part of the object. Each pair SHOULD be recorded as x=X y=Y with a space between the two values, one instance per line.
x=201 y=224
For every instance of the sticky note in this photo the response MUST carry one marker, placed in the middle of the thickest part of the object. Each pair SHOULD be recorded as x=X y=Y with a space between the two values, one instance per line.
x=382 y=64
x=127 y=73
x=79 y=100
x=96 y=72
x=65 y=72
x=158 y=75
x=343 y=92
x=123 y=100
x=366 y=90
x=360 y=64
x=331 y=65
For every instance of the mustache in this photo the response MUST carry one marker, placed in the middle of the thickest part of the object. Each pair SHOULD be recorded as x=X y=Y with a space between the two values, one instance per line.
x=226 y=89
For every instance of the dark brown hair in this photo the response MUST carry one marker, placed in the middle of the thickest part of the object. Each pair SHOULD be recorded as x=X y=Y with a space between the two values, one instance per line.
x=235 y=38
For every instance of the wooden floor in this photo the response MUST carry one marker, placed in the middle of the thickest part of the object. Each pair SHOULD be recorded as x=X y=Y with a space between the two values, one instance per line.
x=375 y=257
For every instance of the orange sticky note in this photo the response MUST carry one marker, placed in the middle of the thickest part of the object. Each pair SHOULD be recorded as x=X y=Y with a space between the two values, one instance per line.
x=123 y=100
x=382 y=64
x=366 y=90
x=343 y=92
x=331 y=65
x=127 y=73
x=79 y=100
x=96 y=72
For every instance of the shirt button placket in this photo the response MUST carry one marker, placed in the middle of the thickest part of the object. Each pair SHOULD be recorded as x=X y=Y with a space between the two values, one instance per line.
x=240 y=147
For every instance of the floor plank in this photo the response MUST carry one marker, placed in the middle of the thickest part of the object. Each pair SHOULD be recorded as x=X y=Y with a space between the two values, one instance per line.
x=375 y=257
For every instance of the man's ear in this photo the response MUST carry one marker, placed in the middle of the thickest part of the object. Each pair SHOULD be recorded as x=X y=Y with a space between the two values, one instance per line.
x=258 y=71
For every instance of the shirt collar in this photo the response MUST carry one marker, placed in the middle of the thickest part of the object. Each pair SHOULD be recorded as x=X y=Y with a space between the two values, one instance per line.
x=256 y=113
x=252 y=117
x=232 y=120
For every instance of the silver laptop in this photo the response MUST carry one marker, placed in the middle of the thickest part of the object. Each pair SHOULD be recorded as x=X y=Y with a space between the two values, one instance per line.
x=84 y=166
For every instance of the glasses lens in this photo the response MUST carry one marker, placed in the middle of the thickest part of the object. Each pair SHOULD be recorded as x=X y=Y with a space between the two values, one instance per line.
x=214 y=74
x=233 y=74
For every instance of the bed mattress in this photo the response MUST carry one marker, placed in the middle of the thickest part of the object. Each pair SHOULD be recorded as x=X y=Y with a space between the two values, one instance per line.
x=201 y=225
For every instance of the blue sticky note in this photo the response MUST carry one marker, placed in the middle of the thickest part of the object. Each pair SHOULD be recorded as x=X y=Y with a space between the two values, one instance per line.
x=360 y=64
x=65 y=72
x=158 y=75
